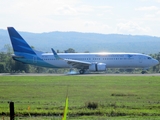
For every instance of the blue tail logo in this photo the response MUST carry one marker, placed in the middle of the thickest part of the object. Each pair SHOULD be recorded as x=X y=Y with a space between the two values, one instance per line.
x=18 y=43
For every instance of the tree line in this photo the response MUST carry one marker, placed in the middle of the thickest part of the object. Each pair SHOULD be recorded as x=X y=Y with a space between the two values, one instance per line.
x=8 y=65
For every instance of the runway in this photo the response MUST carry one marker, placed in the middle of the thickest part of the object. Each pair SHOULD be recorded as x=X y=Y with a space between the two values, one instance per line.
x=91 y=74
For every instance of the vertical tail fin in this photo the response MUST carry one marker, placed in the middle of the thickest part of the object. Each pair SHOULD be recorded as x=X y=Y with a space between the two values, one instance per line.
x=18 y=43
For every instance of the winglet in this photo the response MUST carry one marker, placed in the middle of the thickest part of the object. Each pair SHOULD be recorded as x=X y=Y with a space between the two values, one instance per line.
x=55 y=54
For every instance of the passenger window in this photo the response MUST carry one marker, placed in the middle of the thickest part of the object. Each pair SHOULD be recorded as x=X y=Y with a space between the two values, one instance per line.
x=149 y=58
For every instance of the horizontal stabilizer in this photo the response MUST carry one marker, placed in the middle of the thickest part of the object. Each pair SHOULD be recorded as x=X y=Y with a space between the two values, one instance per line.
x=16 y=56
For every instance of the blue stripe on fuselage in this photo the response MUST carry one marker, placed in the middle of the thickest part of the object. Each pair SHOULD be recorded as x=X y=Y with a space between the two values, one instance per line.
x=34 y=60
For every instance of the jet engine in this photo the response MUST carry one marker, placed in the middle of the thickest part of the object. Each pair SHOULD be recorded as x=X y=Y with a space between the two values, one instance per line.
x=97 y=67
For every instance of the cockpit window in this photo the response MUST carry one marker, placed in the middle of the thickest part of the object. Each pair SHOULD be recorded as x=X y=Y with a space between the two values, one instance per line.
x=149 y=57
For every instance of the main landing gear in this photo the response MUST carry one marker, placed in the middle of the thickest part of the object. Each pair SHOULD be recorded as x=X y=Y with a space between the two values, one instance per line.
x=81 y=71
x=144 y=71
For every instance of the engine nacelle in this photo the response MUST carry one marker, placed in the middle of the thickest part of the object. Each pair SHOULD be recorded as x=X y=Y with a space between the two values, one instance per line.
x=97 y=67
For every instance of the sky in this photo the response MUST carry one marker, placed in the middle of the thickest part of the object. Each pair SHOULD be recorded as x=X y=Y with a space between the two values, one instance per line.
x=134 y=17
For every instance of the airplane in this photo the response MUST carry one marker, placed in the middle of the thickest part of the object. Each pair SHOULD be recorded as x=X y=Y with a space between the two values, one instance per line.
x=93 y=62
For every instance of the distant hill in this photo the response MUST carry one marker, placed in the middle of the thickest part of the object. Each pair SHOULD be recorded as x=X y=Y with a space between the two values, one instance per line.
x=91 y=42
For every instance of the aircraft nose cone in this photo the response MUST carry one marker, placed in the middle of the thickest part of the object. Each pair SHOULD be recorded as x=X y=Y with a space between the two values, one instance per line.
x=155 y=62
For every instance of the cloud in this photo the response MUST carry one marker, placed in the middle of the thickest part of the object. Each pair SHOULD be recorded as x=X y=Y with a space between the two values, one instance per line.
x=89 y=23
x=104 y=7
x=131 y=28
x=85 y=8
x=158 y=13
x=157 y=1
x=96 y=27
x=80 y=15
x=150 y=8
x=65 y=10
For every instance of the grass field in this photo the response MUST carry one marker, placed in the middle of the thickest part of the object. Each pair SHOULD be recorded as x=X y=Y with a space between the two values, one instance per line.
x=115 y=97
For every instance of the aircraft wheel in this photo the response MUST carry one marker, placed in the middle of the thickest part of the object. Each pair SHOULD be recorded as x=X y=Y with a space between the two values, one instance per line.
x=81 y=71
x=143 y=72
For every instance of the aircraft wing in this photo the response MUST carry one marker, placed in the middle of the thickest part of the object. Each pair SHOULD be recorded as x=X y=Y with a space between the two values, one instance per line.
x=78 y=64
x=75 y=63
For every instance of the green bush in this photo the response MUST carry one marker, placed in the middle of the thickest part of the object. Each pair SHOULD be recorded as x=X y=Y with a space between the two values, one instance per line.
x=91 y=105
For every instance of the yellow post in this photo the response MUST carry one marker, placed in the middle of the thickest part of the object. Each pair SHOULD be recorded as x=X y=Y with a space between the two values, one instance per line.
x=64 y=117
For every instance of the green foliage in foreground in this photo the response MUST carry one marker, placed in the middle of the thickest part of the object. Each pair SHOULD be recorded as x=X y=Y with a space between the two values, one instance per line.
x=112 y=95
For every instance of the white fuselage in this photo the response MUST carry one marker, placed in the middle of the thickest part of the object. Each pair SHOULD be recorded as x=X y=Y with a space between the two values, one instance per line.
x=112 y=60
